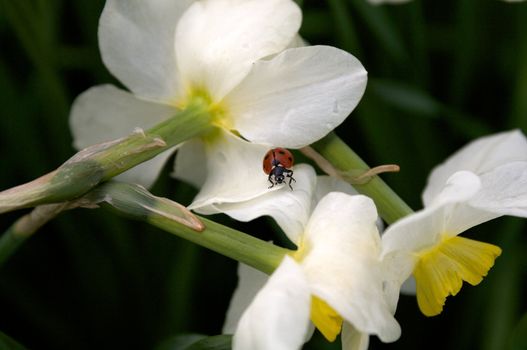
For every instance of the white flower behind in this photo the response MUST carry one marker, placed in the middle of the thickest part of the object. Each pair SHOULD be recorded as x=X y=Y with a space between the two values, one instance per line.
x=238 y=55
x=484 y=180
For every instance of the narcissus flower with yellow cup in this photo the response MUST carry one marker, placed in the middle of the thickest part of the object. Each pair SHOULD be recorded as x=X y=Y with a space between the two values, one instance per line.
x=240 y=58
x=484 y=180
x=334 y=279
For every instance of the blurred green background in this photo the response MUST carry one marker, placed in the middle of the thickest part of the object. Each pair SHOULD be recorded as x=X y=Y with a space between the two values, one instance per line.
x=440 y=74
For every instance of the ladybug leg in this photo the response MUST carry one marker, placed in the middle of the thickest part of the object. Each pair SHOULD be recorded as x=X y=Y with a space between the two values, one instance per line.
x=291 y=178
x=271 y=181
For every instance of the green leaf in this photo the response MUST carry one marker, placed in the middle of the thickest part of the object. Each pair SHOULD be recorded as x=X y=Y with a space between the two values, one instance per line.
x=217 y=342
x=518 y=340
x=405 y=97
x=197 y=342
x=382 y=28
x=417 y=102
x=180 y=342
x=7 y=343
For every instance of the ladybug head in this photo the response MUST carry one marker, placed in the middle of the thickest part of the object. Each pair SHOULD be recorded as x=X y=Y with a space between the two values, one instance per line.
x=279 y=178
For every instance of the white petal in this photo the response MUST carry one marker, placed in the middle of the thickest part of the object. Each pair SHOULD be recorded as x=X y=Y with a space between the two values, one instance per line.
x=250 y=281
x=297 y=97
x=327 y=184
x=191 y=163
x=234 y=172
x=136 y=39
x=343 y=263
x=105 y=113
x=218 y=41
x=289 y=208
x=278 y=317
x=423 y=228
x=479 y=156
x=504 y=190
x=352 y=339
x=459 y=187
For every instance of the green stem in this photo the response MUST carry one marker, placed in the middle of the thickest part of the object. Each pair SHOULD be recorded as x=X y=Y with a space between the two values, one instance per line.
x=25 y=227
x=9 y=243
x=390 y=206
x=237 y=245
x=101 y=162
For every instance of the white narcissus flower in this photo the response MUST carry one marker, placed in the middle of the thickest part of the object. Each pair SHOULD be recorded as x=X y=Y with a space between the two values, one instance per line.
x=335 y=278
x=484 y=180
x=239 y=55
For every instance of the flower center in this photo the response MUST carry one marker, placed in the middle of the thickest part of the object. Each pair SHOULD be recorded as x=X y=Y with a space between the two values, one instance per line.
x=441 y=270
x=325 y=318
x=218 y=110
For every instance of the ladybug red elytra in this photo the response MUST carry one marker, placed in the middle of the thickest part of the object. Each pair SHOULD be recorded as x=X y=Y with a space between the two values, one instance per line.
x=277 y=163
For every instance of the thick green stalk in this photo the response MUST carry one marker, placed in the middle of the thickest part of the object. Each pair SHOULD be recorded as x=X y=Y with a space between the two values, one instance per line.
x=237 y=245
x=390 y=206
x=101 y=162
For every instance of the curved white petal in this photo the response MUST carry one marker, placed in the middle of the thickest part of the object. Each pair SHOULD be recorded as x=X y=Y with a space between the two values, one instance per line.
x=479 y=156
x=136 y=39
x=459 y=187
x=449 y=214
x=352 y=339
x=218 y=41
x=504 y=190
x=250 y=281
x=234 y=173
x=327 y=184
x=343 y=263
x=105 y=113
x=289 y=208
x=278 y=317
x=298 y=96
x=453 y=204
x=191 y=163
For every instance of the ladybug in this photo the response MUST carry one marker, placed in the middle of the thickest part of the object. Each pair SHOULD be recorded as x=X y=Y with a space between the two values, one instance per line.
x=277 y=163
